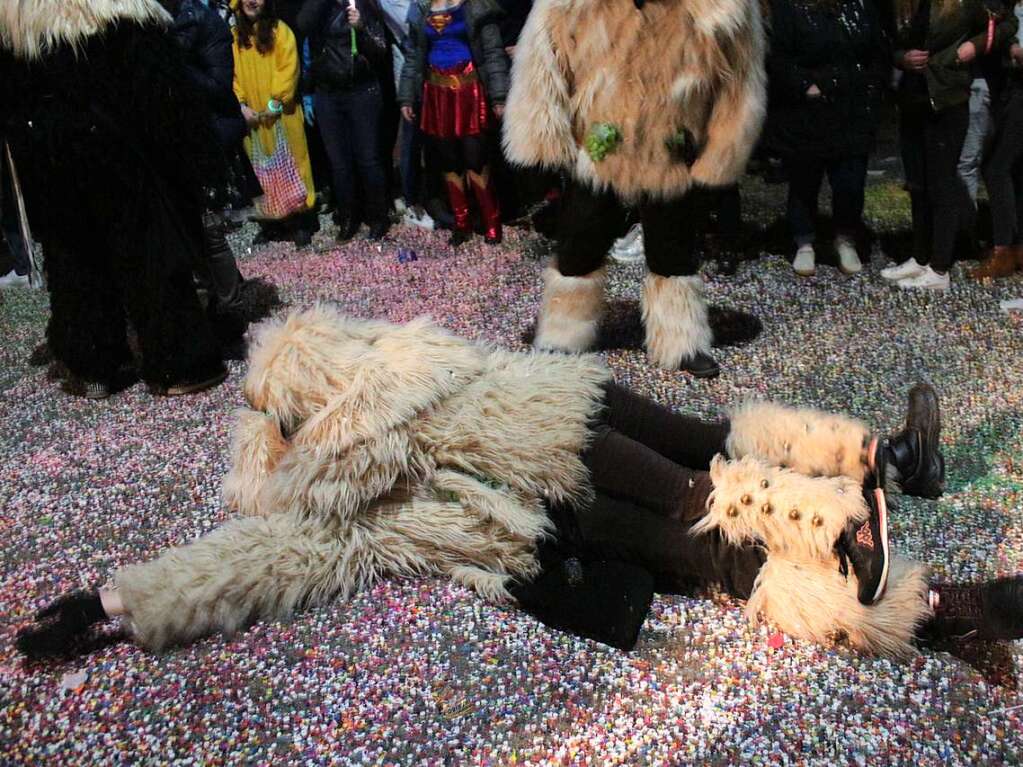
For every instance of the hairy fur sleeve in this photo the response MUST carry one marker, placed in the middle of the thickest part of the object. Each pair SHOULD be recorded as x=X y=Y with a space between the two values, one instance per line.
x=537 y=119
x=741 y=103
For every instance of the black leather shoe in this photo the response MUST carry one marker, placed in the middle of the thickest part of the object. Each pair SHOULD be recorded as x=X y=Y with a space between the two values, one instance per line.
x=866 y=545
x=347 y=229
x=377 y=232
x=701 y=366
x=458 y=238
x=914 y=450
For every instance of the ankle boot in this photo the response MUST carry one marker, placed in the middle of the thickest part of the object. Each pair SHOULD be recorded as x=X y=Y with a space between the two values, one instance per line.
x=490 y=209
x=986 y=611
x=61 y=625
x=1002 y=261
x=914 y=451
x=459 y=202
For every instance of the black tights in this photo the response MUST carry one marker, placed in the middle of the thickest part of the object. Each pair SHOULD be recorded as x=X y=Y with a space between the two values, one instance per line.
x=649 y=467
x=460 y=155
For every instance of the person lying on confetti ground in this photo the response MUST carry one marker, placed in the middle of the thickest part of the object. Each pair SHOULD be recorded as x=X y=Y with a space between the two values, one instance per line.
x=371 y=449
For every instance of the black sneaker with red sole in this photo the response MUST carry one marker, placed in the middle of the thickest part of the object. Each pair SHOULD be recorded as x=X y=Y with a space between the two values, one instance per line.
x=866 y=545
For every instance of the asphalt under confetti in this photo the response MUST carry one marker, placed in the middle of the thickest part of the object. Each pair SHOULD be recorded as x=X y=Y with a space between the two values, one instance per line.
x=425 y=673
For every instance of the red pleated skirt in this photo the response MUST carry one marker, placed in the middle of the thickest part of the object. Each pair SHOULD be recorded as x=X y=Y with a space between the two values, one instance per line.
x=454 y=103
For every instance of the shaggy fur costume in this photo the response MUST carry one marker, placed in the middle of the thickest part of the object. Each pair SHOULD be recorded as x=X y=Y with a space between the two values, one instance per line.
x=672 y=66
x=113 y=157
x=675 y=318
x=571 y=312
x=375 y=449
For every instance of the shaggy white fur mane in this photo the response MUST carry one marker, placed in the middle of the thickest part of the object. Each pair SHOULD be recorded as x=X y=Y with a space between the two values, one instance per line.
x=30 y=28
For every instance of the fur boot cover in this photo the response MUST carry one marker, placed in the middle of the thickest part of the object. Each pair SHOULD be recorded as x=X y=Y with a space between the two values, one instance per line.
x=815 y=602
x=571 y=311
x=809 y=441
x=790 y=514
x=681 y=80
x=675 y=317
x=30 y=28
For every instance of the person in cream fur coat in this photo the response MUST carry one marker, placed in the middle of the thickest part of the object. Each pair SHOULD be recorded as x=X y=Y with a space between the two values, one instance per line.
x=645 y=104
x=371 y=450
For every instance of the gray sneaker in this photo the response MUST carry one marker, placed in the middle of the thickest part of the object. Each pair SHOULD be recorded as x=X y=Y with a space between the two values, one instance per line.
x=14 y=280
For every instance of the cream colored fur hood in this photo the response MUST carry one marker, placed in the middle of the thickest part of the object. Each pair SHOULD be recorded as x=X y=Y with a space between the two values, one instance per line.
x=674 y=65
x=30 y=28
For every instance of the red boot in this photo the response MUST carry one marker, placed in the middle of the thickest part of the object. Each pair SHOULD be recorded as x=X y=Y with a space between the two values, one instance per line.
x=490 y=209
x=459 y=202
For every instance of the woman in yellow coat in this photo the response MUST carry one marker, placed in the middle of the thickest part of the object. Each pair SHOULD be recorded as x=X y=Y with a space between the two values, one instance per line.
x=266 y=72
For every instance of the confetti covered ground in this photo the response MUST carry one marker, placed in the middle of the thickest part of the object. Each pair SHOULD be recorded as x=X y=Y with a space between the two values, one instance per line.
x=424 y=673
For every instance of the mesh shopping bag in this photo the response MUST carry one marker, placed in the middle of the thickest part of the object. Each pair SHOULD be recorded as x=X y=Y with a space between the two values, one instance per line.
x=284 y=191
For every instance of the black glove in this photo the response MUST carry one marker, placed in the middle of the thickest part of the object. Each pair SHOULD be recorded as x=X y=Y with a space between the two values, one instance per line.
x=61 y=625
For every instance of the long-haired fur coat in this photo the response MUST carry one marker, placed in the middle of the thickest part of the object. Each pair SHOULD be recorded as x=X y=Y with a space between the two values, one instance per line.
x=654 y=72
x=372 y=449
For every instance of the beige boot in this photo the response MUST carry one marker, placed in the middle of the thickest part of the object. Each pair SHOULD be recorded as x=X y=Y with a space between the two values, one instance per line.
x=570 y=312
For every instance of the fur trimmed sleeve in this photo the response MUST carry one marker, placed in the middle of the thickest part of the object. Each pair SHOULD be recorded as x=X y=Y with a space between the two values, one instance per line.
x=537 y=118
x=741 y=103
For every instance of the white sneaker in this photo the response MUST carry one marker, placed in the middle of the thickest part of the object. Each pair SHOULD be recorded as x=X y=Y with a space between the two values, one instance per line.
x=908 y=268
x=421 y=219
x=629 y=249
x=928 y=279
x=848 y=258
x=804 y=263
x=14 y=280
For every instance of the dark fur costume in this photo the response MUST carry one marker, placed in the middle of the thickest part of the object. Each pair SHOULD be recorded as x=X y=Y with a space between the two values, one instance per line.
x=113 y=156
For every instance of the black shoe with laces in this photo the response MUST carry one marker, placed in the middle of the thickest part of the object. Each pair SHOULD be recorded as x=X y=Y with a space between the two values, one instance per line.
x=914 y=450
x=865 y=545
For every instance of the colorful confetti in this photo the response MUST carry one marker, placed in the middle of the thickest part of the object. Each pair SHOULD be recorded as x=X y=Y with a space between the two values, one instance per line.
x=425 y=673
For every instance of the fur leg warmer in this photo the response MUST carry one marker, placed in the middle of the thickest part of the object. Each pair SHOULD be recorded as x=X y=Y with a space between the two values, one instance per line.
x=675 y=318
x=809 y=441
x=249 y=569
x=815 y=602
x=790 y=514
x=571 y=311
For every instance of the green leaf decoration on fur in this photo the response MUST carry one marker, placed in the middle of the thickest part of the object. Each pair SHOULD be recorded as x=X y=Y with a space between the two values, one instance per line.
x=602 y=139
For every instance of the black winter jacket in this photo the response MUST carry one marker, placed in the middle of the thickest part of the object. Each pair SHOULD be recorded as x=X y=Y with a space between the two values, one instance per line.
x=482 y=18
x=843 y=51
x=209 y=64
x=325 y=23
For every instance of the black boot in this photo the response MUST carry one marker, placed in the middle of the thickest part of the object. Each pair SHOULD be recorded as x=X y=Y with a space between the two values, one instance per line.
x=701 y=366
x=61 y=625
x=914 y=450
x=987 y=611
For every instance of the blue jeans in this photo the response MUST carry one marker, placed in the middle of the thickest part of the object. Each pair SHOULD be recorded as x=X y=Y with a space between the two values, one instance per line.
x=972 y=155
x=350 y=126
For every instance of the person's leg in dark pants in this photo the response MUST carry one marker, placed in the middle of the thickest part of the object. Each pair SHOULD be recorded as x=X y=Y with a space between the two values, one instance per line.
x=946 y=193
x=337 y=142
x=848 y=179
x=678 y=334
x=686 y=441
x=573 y=295
x=361 y=111
x=912 y=123
x=1002 y=174
x=805 y=175
x=410 y=162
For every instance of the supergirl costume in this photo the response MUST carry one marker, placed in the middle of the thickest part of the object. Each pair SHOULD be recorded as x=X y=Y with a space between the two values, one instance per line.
x=455 y=70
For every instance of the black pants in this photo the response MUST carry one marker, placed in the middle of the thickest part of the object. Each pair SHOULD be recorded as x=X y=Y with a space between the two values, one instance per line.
x=847 y=177
x=1003 y=171
x=931 y=144
x=649 y=467
x=350 y=126
x=591 y=221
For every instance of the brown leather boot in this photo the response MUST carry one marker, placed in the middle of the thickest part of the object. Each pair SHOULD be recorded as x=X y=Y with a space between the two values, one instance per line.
x=1001 y=262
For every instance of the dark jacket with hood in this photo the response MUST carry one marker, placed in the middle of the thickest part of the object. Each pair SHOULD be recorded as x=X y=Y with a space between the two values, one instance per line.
x=841 y=48
x=334 y=66
x=482 y=18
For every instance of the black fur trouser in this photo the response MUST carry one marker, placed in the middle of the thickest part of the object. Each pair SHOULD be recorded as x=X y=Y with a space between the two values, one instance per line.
x=649 y=467
x=141 y=274
x=590 y=222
